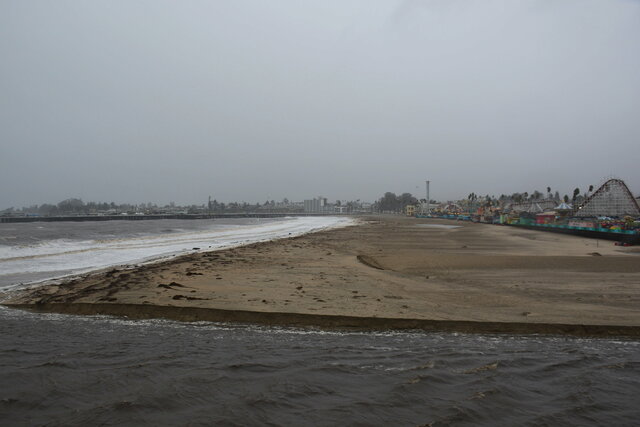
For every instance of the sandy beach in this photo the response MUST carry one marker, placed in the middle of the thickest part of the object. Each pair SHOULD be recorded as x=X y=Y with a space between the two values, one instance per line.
x=384 y=272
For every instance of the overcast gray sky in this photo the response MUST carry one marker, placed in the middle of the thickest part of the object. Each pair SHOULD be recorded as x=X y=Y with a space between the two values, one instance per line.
x=139 y=101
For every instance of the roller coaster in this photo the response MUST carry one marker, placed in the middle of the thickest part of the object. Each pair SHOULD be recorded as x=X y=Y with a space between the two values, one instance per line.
x=612 y=199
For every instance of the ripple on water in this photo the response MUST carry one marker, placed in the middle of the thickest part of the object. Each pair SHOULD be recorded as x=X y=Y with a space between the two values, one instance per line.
x=59 y=369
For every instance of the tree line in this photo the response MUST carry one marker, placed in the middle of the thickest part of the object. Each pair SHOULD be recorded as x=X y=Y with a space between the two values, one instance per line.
x=536 y=195
x=75 y=206
x=391 y=202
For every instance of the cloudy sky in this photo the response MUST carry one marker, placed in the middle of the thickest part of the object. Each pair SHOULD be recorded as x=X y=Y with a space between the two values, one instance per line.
x=158 y=101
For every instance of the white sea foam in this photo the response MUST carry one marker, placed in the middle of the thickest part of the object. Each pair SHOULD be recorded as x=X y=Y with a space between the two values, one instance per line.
x=74 y=256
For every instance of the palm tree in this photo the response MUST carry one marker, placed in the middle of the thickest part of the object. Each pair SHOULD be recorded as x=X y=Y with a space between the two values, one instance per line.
x=472 y=197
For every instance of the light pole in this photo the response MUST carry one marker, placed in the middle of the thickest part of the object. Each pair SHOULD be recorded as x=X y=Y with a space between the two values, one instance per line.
x=428 y=202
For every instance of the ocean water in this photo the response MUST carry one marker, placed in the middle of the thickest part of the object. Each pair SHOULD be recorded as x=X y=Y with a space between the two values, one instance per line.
x=67 y=370
x=38 y=251
x=60 y=370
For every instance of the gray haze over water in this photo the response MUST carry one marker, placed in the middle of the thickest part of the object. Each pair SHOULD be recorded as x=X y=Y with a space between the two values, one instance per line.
x=158 y=101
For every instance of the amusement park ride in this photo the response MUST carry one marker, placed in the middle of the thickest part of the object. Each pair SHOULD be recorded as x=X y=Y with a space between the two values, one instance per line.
x=612 y=199
x=611 y=212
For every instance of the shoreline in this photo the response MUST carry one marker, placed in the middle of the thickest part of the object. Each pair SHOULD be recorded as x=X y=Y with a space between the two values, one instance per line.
x=384 y=273
x=329 y=322
x=87 y=273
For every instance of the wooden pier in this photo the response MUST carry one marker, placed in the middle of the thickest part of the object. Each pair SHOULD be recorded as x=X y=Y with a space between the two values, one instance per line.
x=81 y=218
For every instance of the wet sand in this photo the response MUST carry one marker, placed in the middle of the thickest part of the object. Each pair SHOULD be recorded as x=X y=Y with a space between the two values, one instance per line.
x=386 y=272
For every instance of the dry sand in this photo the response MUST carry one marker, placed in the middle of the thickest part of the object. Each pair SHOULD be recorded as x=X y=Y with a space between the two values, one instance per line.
x=386 y=272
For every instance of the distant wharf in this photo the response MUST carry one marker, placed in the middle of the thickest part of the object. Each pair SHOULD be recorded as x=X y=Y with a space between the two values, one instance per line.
x=82 y=218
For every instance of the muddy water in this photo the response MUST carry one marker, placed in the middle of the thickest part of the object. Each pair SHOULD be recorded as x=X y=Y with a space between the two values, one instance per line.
x=69 y=370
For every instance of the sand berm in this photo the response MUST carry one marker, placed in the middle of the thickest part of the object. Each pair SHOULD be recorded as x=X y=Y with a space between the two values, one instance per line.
x=386 y=272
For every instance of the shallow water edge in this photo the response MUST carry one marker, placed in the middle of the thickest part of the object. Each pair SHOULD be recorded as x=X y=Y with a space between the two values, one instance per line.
x=323 y=321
